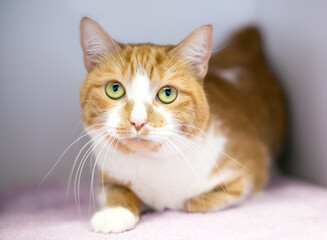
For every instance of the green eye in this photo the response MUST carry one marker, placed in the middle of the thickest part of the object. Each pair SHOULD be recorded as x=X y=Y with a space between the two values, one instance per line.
x=115 y=90
x=167 y=94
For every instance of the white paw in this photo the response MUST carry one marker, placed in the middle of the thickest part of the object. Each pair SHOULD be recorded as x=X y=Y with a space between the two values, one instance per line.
x=113 y=220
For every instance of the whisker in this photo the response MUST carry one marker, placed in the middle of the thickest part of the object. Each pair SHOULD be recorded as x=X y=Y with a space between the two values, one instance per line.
x=197 y=147
x=93 y=171
x=228 y=156
x=56 y=163
x=184 y=157
x=181 y=169
x=114 y=156
x=76 y=127
x=81 y=166
x=103 y=167
x=75 y=162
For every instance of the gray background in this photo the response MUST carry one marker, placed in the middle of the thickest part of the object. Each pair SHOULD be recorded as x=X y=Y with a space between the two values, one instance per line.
x=41 y=70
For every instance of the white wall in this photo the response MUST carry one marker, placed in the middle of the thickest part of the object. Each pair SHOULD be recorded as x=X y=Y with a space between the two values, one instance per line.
x=41 y=68
x=296 y=40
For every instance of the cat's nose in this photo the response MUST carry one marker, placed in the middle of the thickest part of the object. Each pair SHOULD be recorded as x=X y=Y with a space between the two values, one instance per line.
x=139 y=116
x=138 y=123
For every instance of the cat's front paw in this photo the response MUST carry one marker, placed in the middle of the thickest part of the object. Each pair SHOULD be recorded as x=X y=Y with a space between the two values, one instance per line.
x=113 y=220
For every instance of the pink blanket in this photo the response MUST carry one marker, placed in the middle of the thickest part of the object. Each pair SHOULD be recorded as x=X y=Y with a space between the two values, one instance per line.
x=287 y=209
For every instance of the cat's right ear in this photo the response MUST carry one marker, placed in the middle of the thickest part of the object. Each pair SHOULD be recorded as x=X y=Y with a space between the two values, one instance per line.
x=95 y=42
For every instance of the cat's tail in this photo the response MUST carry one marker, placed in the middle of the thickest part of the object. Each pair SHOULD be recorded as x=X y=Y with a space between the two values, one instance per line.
x=247 y=42
x=243 y=47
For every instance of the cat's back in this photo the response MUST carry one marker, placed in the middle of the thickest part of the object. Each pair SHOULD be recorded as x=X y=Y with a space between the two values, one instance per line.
x=243 y=93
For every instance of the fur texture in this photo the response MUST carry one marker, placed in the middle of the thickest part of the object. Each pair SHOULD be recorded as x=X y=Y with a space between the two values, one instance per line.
x=207 y=150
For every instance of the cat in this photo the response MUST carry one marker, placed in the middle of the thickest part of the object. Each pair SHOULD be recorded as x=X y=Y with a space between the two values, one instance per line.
x=175 y=130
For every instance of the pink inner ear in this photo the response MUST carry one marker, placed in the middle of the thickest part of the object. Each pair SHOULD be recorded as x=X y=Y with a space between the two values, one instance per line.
x=196 y=48
x=95 y=42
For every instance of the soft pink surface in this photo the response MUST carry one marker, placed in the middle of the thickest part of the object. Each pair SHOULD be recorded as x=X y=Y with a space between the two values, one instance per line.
x=288 y=209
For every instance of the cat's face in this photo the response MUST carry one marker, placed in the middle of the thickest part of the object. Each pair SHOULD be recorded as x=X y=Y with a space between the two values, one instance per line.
x=142 y=95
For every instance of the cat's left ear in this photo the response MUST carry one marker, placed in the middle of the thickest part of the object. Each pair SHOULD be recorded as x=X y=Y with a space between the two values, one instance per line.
x=196 y=49
x=95 y=42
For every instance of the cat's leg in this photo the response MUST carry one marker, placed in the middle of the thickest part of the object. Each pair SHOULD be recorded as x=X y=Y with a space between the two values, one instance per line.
x=120 y=211
x=250 y=174
x=222 y=196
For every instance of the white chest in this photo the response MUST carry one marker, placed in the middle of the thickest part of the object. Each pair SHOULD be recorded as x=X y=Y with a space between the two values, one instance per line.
x=166 y=179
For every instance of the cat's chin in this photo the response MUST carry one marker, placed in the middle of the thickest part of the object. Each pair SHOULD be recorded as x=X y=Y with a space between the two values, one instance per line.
x=139 y=144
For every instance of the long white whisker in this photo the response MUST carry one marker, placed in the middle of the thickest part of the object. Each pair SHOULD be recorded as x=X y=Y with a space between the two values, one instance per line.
x=181 y=169
x=197 y=147
x=80 y=169
x=75 y=162
x=76 y=127
x=56 y=163
x=228 y=156
x=93 y=171
x=184 y=157
x=103 y=167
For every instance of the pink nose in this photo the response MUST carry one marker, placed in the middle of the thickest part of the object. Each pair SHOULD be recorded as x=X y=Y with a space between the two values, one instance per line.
x=138 y=124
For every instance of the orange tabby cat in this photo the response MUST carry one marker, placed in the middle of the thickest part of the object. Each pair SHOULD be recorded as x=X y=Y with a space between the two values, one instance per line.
x=173 y=130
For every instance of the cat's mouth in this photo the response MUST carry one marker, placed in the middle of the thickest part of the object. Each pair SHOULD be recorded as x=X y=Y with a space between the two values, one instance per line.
x=138 y=144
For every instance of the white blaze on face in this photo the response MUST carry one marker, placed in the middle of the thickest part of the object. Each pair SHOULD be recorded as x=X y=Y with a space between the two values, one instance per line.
x=139 y=93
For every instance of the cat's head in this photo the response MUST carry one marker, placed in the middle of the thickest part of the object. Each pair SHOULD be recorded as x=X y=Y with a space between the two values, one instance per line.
x=141 y=95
